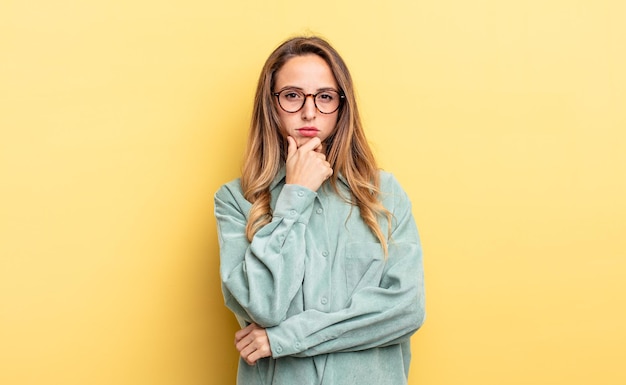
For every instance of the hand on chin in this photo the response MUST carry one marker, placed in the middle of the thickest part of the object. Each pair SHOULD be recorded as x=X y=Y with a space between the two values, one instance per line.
x=302 y=140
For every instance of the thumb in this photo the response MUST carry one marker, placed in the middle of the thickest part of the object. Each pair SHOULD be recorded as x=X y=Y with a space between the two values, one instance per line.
x=292 y=147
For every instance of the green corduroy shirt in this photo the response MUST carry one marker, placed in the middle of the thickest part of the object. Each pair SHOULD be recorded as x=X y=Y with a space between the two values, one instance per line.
x=336 y=310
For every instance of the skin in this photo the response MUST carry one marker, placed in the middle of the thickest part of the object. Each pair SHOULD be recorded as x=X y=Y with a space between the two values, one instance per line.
x=252 y=343
x=311 y=74
x=306 y=161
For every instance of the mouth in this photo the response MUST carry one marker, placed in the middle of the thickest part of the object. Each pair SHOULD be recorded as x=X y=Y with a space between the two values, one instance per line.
x=308 y=131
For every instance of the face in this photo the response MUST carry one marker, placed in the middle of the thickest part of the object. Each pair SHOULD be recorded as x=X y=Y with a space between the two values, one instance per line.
x=309 y=74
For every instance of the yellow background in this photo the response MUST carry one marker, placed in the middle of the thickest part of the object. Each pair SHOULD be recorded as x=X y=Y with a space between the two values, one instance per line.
x=504 y=120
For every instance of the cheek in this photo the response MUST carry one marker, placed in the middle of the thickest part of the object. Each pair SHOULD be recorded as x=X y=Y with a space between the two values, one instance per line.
x=332 y=123
x=284 y=123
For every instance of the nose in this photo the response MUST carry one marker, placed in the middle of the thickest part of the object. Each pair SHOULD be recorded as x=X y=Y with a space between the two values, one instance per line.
x=309 y=109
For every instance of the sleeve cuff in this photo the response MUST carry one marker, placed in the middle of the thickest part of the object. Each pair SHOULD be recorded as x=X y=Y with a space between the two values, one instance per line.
x=283 y=345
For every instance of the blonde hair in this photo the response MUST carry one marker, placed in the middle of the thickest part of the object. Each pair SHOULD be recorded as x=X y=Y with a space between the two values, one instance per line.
x=347 y=149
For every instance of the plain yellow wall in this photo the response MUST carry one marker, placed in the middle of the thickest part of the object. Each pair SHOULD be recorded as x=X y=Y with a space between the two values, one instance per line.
x=504 y=120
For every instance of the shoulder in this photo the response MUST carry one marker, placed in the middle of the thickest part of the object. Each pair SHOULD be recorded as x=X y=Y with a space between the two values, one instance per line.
x=388 y=182
x=392 y=194
x=229 y=200
x=229 y=191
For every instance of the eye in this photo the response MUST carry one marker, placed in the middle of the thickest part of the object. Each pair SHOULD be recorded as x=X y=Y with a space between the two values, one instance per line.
x=291 y=95
x=326 y=97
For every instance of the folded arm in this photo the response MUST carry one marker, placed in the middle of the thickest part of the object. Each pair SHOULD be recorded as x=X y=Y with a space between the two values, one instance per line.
x=261 y=278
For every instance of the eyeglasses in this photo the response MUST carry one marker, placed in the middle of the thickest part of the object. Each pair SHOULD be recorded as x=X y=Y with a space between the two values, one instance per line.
x=292 y=100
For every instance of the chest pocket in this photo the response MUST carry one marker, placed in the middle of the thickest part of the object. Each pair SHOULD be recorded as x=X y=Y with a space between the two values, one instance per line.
x=364 y=265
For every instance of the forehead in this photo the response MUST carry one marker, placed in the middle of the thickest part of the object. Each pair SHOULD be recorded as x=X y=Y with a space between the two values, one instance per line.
x=309 y=72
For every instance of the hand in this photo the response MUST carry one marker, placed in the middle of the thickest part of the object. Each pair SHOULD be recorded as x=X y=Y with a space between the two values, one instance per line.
x=307 y=165
x=252 y=343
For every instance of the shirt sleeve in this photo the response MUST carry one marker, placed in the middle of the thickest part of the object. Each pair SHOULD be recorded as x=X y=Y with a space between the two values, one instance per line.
x=374 y=316
x=261 y=278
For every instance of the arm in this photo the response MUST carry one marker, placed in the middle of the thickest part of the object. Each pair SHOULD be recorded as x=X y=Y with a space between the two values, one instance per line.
x=375 y=316
x=261 y=278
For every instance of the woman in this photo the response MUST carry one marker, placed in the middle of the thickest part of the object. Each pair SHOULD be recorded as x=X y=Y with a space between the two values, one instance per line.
x=320 y=256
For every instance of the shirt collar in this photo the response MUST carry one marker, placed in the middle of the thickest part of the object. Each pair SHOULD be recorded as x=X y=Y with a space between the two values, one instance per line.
x=280 y=176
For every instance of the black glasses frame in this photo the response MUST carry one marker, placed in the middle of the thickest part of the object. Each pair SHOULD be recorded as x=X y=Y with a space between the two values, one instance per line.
x=341 y=99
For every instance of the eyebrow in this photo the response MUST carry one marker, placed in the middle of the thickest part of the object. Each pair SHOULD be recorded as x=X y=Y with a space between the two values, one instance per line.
x=302 y=89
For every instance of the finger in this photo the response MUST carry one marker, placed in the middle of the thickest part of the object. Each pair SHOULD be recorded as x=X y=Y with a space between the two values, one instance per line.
x=244 y=332
x=320 y=148
x=257 y=354
x=258 y=348
x=311 y=145
x=243 y=343
x=254 y=351
x=292 y=147
x=245 y=353
x=319 y=155
x=247 y=341
x=255 y=334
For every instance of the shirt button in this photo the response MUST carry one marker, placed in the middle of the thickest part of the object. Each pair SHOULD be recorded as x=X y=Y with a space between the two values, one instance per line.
x=319 y=211
x=300 y=193
x=298 y=345
x=324 y=300
x=292 y=212
x=279 y=349
x=325 y=253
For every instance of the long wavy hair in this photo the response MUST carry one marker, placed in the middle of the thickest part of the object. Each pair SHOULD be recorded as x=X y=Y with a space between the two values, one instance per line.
x=347 y=149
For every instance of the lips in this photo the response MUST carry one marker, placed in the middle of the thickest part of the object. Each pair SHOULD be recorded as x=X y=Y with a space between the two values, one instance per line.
x=308 y=131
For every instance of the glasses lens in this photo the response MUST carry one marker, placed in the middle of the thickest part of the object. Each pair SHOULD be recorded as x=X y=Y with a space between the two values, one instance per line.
x=291 y=100
x=326 y=102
